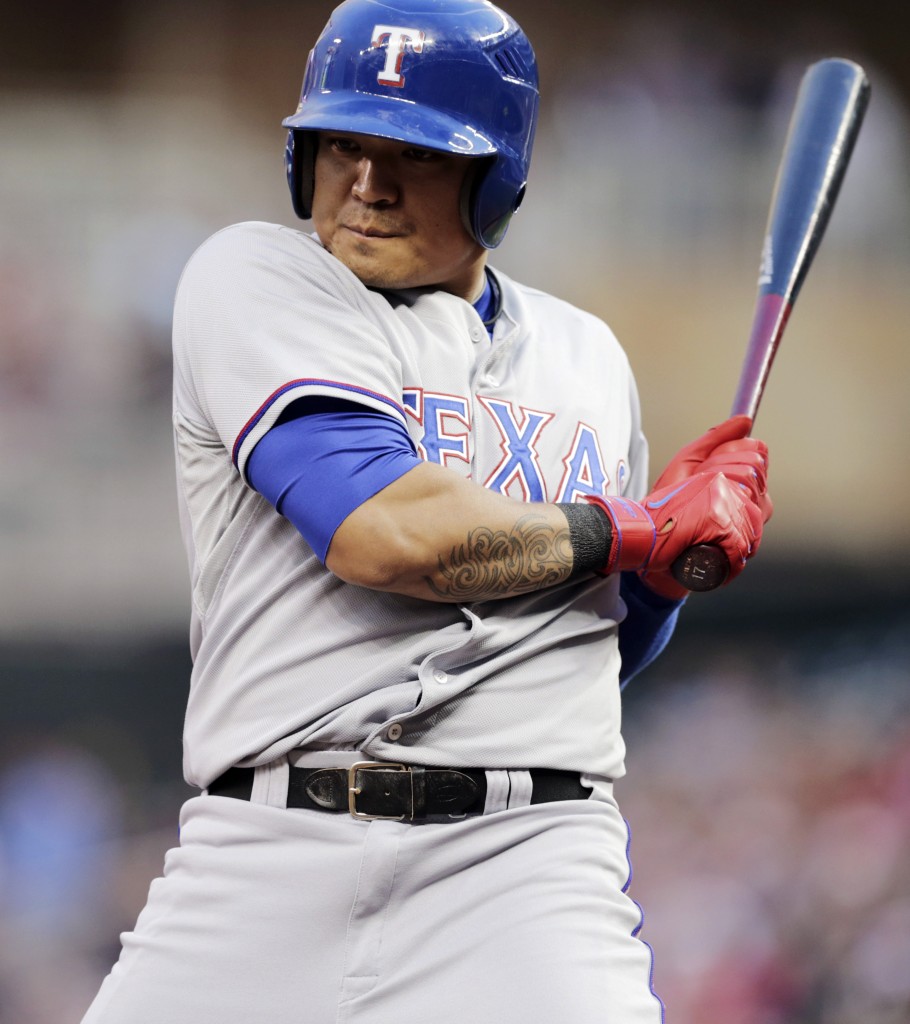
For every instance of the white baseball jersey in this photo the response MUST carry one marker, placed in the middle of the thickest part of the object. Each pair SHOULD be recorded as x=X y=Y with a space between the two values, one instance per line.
x=285 y=654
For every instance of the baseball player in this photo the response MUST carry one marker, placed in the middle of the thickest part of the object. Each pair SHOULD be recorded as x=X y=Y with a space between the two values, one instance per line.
x=423 y=555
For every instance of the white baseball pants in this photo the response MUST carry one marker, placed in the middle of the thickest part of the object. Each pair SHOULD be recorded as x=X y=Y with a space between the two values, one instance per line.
x=268 y=915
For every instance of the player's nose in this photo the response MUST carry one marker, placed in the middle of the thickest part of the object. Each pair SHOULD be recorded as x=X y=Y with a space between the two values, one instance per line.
x=374 y=182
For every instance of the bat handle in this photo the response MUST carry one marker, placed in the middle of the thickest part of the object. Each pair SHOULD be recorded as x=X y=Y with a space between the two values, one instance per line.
x=701 y=567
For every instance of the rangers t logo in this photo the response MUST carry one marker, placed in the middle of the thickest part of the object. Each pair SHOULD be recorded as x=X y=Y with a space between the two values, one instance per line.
x=397 y=39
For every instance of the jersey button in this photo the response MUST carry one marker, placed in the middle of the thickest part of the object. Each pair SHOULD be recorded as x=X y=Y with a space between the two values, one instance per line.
x=395 y=731
x=440 y=676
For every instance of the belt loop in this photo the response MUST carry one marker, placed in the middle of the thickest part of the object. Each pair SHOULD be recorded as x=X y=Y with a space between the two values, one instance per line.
x=521 y=788
x=270 y=783
x=497 y=792
x=418 y=792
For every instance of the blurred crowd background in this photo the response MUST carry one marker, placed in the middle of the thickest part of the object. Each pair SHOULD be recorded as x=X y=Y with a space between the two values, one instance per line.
x=769 y=750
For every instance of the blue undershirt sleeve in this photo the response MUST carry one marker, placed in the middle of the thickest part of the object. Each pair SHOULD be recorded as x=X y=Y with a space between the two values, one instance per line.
x=647 y=628
x=316 y=467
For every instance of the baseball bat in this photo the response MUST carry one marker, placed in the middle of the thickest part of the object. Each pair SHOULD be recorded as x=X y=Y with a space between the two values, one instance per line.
x=825 y=122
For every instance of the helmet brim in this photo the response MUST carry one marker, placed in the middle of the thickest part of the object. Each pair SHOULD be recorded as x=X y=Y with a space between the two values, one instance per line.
x=399 y=120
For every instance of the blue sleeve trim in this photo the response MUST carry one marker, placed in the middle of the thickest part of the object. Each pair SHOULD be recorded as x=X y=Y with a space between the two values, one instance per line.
x=647 y=628
x=317 y=468
x=344 y=390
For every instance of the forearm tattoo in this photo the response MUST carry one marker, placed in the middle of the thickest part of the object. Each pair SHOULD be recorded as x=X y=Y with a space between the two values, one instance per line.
x=499 y=563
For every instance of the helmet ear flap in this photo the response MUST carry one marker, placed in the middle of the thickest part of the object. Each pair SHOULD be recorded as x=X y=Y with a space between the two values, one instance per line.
x=300 y=166
x=492 y=198
x=477 y=171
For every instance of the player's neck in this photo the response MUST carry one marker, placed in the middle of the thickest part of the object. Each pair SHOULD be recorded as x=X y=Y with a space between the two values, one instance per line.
x=470 y=283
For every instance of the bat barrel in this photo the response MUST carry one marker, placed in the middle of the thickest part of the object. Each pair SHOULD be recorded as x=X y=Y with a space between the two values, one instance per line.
x=829 y=108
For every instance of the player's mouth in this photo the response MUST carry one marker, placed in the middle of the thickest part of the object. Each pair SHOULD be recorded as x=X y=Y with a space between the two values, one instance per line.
x=372 y=232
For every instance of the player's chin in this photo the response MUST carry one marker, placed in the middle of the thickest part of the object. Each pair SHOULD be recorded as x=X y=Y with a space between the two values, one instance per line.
x=379 y=264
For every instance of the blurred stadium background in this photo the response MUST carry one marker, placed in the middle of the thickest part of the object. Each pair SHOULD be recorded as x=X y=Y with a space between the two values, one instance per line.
x=769 y=751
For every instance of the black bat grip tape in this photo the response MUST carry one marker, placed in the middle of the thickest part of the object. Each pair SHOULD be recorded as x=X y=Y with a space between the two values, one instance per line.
x=701 y=567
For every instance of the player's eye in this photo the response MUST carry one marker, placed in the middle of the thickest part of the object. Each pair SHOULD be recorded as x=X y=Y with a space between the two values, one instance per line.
x=342 y=144
x=422 y=156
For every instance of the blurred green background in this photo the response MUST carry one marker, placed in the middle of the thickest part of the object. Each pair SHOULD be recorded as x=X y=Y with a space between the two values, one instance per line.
x=769 y=750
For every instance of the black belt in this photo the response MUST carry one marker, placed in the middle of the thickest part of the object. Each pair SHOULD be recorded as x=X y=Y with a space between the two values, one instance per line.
x=379 y=789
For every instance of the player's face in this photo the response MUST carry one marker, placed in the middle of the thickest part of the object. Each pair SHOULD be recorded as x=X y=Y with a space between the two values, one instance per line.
x=390 y=212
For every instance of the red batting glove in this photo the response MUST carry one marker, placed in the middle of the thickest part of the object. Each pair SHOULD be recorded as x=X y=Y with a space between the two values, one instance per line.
x=688 y=460
x=725 y=449
x=718 y=504
x=706 y=508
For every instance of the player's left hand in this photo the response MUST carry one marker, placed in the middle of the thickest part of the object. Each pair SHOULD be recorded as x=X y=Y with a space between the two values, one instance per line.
x=725 y=449
x=689 y=458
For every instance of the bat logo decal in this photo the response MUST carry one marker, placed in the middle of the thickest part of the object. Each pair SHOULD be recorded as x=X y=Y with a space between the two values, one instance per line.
x=766 y=264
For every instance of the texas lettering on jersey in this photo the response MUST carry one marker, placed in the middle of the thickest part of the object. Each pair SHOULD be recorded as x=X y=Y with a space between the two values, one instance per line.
x=446 y=440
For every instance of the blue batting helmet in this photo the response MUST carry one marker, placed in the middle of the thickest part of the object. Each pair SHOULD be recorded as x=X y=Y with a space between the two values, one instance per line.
x=458 y=76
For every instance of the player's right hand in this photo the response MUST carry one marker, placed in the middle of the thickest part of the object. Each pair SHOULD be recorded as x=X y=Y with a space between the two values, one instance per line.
x=706 y=508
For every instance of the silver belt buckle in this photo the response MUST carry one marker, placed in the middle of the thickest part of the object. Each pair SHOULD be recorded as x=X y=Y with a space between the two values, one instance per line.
x=354 y=789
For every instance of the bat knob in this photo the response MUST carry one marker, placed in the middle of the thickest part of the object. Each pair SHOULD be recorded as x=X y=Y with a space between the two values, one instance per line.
x=701 y=567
